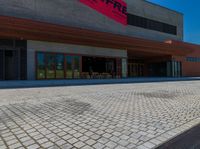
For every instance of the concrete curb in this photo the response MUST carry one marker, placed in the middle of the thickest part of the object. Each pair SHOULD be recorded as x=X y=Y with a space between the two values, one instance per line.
x=79 y=82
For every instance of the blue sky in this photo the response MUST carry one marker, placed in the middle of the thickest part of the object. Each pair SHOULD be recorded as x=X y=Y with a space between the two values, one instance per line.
x=191 y=11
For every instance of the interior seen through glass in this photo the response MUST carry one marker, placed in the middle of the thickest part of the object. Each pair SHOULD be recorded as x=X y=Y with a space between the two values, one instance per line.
x=64 y=66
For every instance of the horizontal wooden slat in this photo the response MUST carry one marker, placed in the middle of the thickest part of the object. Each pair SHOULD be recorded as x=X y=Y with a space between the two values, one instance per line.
x=11 y=27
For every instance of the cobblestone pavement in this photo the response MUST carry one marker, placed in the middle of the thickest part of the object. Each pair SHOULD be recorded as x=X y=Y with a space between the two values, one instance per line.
x=119 y=116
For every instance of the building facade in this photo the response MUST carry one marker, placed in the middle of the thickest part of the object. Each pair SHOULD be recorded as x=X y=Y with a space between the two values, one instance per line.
x=72 y=39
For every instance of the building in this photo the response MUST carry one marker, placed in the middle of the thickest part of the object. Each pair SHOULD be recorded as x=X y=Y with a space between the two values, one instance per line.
x=69 y=39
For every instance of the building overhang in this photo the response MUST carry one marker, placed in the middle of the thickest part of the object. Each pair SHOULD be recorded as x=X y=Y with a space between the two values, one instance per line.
x=25 y=29
x=183 y=45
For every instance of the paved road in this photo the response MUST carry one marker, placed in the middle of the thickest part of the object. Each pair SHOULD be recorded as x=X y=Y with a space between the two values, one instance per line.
x=119 y=116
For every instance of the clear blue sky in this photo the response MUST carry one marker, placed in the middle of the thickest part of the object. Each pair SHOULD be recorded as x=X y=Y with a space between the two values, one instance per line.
x=191 y=11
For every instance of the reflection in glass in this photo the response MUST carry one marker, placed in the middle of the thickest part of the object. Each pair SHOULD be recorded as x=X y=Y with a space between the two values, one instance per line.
x=76 y=67
x=59 y=66
x=40 y=66
x=69 y=66
x=50 y=66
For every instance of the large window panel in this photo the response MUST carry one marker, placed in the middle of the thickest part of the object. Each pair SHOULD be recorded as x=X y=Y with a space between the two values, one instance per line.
x=50 y=66
x=59 y=66
x=76 y=66
x=69 y=67
x=40 y=66
x=119 y=68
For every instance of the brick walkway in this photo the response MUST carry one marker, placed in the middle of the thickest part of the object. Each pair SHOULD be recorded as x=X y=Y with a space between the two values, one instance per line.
x=99 y=116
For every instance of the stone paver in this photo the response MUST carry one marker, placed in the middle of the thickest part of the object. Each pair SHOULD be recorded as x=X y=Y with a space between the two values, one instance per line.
x=118 y=116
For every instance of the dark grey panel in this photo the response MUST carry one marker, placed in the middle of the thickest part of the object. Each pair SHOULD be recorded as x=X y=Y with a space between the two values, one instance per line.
x=23 y=63
x=13 y=59
x=1 y=64
x=22 y=45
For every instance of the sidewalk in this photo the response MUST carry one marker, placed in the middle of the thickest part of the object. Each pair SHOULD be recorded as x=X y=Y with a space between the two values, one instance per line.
x=48 y=83
x=119 y=116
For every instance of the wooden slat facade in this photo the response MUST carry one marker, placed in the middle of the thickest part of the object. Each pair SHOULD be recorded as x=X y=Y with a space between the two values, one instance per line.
x=17 y=28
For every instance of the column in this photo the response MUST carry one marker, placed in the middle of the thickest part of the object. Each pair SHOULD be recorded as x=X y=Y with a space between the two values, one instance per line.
x=124 y=68
x=173 y=69
x=23 y=64
x=1 y=64
x=169 y=69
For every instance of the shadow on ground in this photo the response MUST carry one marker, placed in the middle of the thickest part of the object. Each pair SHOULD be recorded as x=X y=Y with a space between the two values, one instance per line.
x=187 y=140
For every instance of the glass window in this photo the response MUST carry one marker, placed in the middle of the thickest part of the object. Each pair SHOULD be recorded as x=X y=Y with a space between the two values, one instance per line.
x=151 y=24
x=50 y=66
x=40 y=66
x=59 y=66
x=69 y=66
x=76 y=66
x=119 y=68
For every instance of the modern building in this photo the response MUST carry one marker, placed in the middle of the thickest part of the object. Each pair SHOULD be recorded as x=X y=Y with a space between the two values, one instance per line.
x=66 y=39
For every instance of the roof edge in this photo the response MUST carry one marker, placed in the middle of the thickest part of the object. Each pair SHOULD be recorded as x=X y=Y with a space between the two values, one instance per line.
x=178 y=12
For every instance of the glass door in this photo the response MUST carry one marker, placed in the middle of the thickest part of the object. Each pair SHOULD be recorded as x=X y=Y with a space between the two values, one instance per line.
x=11 y=65
x=136 y=69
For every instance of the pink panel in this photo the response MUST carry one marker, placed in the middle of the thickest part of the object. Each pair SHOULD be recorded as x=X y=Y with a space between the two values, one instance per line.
x=115 y=9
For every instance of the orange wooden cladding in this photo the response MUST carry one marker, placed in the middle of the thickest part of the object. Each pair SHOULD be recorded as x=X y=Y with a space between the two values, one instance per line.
x=18 y=28
x=188 y=68
x=184 y=45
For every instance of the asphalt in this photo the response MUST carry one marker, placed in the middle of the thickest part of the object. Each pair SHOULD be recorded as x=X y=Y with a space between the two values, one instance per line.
x=188 y=140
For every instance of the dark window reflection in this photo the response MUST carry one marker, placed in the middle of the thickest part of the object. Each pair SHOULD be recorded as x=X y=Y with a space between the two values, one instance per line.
x=60 y=66
x=40 y=66
x=50 y=66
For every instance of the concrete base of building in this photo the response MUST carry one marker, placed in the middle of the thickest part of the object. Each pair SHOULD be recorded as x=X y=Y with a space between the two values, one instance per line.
x=78 y=82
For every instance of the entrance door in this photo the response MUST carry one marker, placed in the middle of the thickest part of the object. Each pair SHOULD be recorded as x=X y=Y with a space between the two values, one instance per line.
x=158 y=69
x=11 y=65
x=135 y=69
